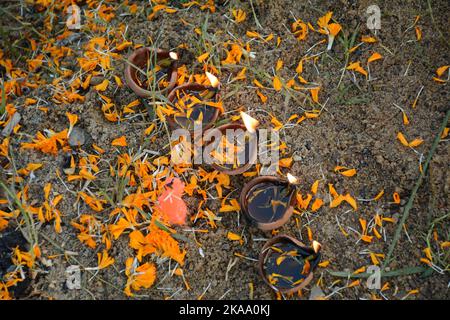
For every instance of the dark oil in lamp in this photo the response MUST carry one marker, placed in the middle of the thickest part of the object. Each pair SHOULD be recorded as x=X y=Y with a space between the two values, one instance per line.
x=287 y=265
x=189 y=100
x=268 y=201
x=237 y=152
x=157 y=74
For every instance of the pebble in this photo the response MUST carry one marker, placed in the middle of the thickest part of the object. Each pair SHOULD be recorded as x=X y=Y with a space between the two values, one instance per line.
x=66 y=164
x=379 y=159
x=77 y=137
x=96 y=80
x=396 y=217
x=15 y=119
x=316 y=293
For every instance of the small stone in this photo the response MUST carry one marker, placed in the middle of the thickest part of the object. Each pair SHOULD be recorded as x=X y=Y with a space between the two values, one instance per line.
x=69 y=171
x=77 y=137
x=316 y=293
x=379 y=159
x=96 y=80
x=67 y=163
x=46 y=262
x=297 y=158
x=73 y=277
x=396 y=217
x=15 y=119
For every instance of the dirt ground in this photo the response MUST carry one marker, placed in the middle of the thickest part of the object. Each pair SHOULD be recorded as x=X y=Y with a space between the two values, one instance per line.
x=357 y=128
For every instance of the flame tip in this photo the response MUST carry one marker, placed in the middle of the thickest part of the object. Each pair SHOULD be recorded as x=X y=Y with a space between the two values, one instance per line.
x=212 y=79
x=173 y=55
x=316 y=246
x=292 y=179
x=250 y=123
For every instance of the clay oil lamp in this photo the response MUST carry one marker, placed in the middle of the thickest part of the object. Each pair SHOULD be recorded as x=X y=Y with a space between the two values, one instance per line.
x=195 y=103
x=237 y=150
x=151 y=70
x=268 y=201
x=287 y=265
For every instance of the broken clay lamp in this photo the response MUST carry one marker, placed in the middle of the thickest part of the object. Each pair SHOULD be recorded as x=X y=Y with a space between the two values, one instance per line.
x=268 y=201
x=151 y=70
x=236 y=152
x=195 y=104
x=287 y=265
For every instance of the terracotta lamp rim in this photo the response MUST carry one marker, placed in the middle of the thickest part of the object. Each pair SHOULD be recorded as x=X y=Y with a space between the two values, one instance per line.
x=253 y=153
x=193 y=87
x=266 y=226
x=139 y=58
x=264 y=252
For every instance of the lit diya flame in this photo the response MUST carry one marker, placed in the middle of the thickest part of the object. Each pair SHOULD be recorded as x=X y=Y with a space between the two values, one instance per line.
x=292 y=179
x=250 y=123
x=173 y=55
x=212 y=79
x=316 y=246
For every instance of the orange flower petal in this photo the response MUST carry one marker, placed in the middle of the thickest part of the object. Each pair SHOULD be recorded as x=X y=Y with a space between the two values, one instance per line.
x=120 y=142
